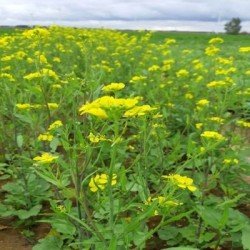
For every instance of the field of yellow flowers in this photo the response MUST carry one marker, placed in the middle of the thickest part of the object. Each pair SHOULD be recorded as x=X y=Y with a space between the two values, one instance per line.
x=117 y=140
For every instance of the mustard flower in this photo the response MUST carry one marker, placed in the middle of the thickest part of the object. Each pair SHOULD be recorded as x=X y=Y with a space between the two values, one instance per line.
x=138 y=111
x=96 y=138
x=45 y=137
x=217 y=119
x=243 y=123
x=181 y=181
x=23 y=106
x=230 y=161
x=53 y=105
x=113 y=87
x=45 y=158
x=182 y=73
x=100 y=181
x=212 y=135
x=199 y=125
x=55 y=125
x=244 y=49
x=211 y=50
x=216 y=40
x=202 y=102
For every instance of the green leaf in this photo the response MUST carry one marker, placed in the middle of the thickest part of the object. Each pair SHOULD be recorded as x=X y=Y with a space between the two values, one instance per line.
x=211 y=216
x=245 y=239
x=54 y=144
x=19 y=140
x=63 y=226
x=168 y=233
x=24 y=118
x=49 y=242
x=25 y=214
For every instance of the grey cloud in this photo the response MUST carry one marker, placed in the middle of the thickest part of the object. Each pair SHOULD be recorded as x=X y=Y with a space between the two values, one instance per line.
x=95 y=11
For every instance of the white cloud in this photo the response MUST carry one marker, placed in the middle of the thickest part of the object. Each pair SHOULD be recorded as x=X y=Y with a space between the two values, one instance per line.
x=125 y=12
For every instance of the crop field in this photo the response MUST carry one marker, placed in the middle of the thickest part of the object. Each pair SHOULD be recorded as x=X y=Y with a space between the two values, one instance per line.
x=124 y=139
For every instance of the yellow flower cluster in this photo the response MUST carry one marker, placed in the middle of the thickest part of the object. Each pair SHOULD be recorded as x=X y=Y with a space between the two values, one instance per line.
x=225 y=71
x=7 y=76
x=217 y=119
x=244 y=49
x=154 y=68
x=37 y=32
x=212 y=135
x=162 y=201
x=230 y=161
x=202 y=102
x=42 y=73
x=113 y=87
x=45 y=137
x=103 y=105
x=45 y=158
x=138 y=111
x=100 y=181
x=211 y=50
x=136 y=79
x=216 y=40
x=182 y=181
x=243 y=124
x=182 y=73
x=96 y=138
x=55 y=125
x=215 y=84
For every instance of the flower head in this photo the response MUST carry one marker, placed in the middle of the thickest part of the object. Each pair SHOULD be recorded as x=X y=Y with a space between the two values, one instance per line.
x=181 y=181
x=45 y=158
x=113 y=87
x=100 y=181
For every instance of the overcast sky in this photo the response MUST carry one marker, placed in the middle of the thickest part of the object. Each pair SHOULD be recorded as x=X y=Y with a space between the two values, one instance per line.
x=155 y=14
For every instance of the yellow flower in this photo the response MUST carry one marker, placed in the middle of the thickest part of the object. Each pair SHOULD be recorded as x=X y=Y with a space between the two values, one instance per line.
x=170 y=41
x=55 y=125
x=113 y=87
x=182 y=73
x=56 y=59
x=99 y=112
x=162 y=201
x=212 y=135
x=199 y=125
x=243 y=124
x=100 y=181
x=217 y=119
x=99 y=106
x=45 y=158
x=244 y=49
x=153 y=68
x=136 y=79
x=23 y=105
x=7 y=76
x=189 y=96
x=230 y=161
x=216 y=40
x=138 y=111
x=45 y=137
x=211 y=50
x=182 y=181
x=96 y=138
x=43 y=59
x=216 y=84
x=53 y=105
x=202 y=102
x=56 y=86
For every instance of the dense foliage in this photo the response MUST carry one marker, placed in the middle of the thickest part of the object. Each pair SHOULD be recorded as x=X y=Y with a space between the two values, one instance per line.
x=119 y=142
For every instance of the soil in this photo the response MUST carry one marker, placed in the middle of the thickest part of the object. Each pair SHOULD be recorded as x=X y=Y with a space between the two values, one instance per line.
x=13 y=239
